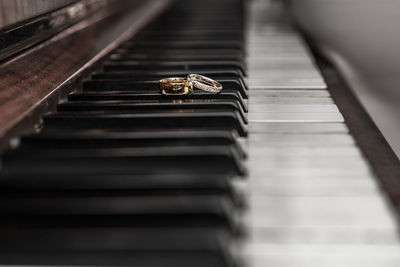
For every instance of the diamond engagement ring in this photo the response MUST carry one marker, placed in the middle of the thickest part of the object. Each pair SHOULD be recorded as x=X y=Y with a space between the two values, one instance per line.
x=204 y=83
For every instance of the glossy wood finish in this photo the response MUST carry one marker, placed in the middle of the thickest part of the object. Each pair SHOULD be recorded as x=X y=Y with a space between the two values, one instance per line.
x=32 y=83
x=13 y=11
x=29 y=32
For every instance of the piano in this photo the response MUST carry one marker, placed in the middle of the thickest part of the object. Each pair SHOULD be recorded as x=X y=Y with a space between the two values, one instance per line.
x=284 y=167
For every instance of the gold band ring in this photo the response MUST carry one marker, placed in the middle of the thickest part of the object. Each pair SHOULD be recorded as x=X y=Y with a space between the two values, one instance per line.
x=175 y=86
x=204 y=83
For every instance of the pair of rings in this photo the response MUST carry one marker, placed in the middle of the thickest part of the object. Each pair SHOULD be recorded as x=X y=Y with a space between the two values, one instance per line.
x=184 y=86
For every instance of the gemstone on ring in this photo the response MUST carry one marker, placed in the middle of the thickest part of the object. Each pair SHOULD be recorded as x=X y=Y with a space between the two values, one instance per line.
x=204 y=83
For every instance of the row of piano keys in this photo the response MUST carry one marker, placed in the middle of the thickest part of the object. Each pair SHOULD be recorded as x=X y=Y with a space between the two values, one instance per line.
x=122 y=175
x=313 y=199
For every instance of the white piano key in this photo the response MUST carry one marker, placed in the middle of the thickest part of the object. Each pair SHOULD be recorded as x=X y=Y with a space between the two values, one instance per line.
x=311 y=211
x=312 y=140
x=261 y=172
x=292 y=40
x=282 y=76
x=344 y=166
x=276 y=75
x=302 y=60
x=258 y=173
x=296 y=127
x=285 y=68
x=261 y=34
x=303 y=179
x=284 y=64
x=288 y=41
x=306 y=152
x=255 y=93
x=324 y=235
x=310 y=162
x=283 y=55
x=271 y=29
x=282 y=41
x=323 y=108
x=287 y=83
x=258 y=255
x=253 y=59
x=334 y=186
x=260 y=55
x=313 y=199
x=272 y=32
x=290 y=100
x=277 y=54
x=259 y=187
x=295 y=116
x=275 y=49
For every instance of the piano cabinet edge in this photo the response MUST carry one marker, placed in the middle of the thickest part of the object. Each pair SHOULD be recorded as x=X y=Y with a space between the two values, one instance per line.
x=32 y=83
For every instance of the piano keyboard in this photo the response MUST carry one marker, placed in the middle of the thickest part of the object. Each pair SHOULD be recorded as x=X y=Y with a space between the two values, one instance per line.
x=313 y=200
x=265 y=173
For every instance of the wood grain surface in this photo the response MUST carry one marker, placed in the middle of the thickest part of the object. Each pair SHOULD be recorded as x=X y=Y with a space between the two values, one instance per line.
x=33 y=82
x=13 y=11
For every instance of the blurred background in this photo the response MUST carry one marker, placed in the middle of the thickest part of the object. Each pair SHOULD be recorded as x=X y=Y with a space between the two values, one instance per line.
x=12 y=11
x=362 y=37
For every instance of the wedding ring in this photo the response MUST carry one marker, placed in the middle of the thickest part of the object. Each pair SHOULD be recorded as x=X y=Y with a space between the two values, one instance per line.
x=175 y=86
x=204 y=83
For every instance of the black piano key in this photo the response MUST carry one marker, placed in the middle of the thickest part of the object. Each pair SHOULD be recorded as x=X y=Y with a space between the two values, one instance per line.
x=123 y=86
x=181 y=53
x=171 y=24
x=201 y=247
x=141 y=75
x=142 y=97
x=220 y=19
x=136 y=183
x=104 y=139
x=124 y=107
x=86 y=185
x=210 y=34
x=177 y=26
x=235 y=45
x=165 y=31
x=172 y=65
x=75 y=140
x=163 y=56
x=220 y=160
x=227 y=121
x=140 y=206
x=191 y=36
x=72 y=209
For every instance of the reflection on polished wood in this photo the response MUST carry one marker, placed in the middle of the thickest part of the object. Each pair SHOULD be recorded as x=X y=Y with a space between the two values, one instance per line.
x=29 y=32
x=13 y=11
x=29 y=83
